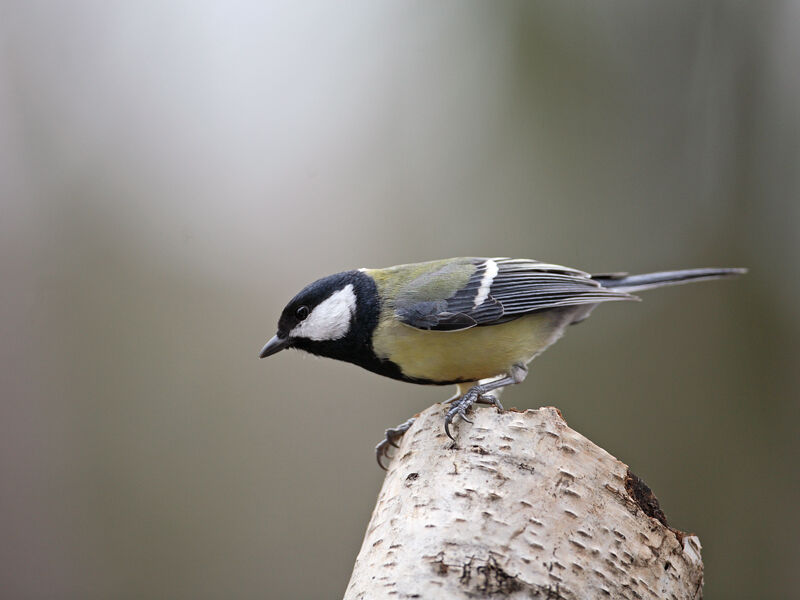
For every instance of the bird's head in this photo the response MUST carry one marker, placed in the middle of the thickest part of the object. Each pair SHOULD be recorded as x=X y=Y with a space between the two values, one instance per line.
x=325 y=317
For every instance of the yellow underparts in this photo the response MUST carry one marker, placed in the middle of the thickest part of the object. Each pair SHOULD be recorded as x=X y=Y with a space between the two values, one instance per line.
x=470 y=354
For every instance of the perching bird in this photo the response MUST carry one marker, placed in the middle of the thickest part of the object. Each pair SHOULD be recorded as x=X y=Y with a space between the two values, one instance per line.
x=455 y=321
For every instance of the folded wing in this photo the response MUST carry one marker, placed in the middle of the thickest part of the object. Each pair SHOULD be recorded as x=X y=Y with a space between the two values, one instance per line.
x=500 y=290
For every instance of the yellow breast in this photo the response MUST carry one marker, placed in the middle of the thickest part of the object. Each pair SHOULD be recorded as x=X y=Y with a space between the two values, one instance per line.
x=470 y=354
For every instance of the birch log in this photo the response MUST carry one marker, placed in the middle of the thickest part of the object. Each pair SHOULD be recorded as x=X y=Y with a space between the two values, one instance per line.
x=521 y=506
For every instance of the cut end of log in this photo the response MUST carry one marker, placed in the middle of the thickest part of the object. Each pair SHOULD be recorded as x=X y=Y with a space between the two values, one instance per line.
x=519 y=506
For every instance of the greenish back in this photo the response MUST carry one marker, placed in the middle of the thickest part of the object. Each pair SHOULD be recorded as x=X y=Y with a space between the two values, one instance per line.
x=423 y=282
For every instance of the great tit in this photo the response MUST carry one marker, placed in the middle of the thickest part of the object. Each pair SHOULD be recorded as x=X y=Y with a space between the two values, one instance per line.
x=472 y=322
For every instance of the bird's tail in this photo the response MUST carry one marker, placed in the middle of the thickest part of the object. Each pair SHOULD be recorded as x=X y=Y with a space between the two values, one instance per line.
x=622 y=282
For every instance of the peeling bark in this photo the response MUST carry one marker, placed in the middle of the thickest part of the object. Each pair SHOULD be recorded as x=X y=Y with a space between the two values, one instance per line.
x=521 y=506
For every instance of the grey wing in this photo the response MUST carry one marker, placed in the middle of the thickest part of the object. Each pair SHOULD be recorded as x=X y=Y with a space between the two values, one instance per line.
x=503 y=289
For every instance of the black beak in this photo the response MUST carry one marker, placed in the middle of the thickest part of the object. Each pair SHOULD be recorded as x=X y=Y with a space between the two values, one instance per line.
x=274 y=346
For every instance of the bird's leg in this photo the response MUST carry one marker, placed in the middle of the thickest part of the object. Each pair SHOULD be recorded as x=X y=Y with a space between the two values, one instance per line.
x=390 y=438
x=478 y=393
x=491 y=399
x=393 y=434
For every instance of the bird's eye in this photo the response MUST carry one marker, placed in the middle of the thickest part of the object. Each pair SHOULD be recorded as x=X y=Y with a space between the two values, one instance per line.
x=301 y=313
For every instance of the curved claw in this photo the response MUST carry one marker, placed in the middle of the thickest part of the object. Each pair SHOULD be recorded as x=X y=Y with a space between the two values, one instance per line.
x=448 y=420
x=380 y=452
x=447 y=429
x=492 y=400
x=389 y=437
x=459 y=408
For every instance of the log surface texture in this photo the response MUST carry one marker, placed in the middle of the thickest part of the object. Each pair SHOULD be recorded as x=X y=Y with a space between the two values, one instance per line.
x=521 y=506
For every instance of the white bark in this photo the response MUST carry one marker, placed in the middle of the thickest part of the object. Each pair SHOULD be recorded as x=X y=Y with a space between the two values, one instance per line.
x=521 y=507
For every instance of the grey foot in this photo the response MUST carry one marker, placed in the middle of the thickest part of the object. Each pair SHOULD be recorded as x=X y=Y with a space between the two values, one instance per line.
x=390 y=438
x=474 y=394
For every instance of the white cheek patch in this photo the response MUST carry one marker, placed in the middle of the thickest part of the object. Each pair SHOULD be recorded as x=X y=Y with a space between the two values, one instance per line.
x=330 y=320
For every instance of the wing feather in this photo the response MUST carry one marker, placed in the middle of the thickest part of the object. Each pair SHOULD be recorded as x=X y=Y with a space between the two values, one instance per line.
x=518 y=287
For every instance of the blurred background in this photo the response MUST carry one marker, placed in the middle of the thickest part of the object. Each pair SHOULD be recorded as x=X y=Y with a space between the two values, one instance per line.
x=172 y=173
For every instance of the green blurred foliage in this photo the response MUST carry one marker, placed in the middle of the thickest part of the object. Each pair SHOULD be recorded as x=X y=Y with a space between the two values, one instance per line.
x=172 y=173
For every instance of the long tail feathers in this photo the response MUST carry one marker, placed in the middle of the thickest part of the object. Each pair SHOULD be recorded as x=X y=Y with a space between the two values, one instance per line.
x=623 y=282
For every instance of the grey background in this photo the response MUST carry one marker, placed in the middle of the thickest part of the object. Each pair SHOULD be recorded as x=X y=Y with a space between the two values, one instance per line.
x=172 y=173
